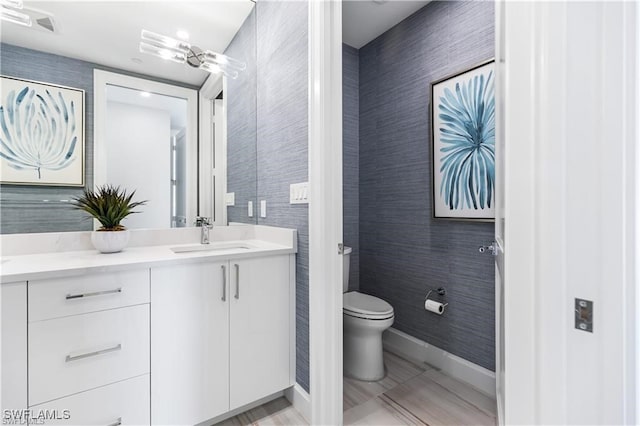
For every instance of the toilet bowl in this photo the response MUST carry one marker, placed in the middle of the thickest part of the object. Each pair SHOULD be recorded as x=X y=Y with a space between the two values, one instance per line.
x=365 y=317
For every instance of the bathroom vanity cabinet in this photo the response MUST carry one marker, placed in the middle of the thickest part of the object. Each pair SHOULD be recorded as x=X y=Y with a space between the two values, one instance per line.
x=178 y=341
x=221 y=336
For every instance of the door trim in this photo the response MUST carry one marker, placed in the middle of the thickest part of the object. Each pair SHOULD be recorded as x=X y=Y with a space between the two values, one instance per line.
x=325 y=210
x=100 y=81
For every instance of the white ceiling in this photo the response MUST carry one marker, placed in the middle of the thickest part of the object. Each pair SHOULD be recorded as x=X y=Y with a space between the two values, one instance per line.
x=364 y=20
x=108 y=32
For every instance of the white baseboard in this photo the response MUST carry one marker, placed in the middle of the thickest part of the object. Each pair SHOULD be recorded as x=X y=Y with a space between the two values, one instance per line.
x=415 y=349
x=300 y=400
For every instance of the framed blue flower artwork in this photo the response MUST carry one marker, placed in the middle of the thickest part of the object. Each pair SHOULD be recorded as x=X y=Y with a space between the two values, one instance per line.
x=41 y=133
x=463 y=144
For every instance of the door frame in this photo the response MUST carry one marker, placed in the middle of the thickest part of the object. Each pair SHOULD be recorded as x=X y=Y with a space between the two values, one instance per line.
x=103 y=78
x=212 y=197
x=325 y=211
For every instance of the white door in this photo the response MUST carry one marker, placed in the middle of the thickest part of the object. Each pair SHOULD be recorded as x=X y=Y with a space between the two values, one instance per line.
x=499 y=210
x=260 y=328
x=189 y=343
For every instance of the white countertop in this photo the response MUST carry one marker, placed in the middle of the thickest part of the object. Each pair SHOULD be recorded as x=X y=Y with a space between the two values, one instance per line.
x=35 y=266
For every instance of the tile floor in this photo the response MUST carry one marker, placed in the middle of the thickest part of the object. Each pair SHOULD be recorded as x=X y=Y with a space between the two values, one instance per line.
x=410 y=394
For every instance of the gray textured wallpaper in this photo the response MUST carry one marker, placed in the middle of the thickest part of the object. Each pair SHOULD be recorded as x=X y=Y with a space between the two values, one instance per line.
x=241 y=124
x=350 y=160
x=22 y=208
x=403 y=251
x=283 y=140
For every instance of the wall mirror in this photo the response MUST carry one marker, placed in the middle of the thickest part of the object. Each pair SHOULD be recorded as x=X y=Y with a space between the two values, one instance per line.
x=146 y=138
x=184 y=138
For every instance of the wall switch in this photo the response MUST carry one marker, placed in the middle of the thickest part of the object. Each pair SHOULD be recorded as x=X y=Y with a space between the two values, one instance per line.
x=230 y=199
x=298 y=193
x=250 y=208
x=263 y=208
x=584 y=315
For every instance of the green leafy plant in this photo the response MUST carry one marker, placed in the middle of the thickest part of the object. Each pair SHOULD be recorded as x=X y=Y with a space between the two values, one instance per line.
x=108 y=204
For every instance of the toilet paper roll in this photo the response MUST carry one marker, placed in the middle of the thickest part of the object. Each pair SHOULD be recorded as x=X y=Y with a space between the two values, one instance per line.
x=433 y=306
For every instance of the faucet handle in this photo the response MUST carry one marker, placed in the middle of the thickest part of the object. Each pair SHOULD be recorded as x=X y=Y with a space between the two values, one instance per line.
x=203 y=221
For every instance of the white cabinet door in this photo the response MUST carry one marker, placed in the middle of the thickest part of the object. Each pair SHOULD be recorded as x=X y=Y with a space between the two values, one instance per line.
x=260 y=328
x=13 y=371
x=189 y=343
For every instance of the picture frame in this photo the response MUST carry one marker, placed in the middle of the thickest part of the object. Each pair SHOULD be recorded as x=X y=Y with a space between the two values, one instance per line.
x=463 y=144
x=42 y=137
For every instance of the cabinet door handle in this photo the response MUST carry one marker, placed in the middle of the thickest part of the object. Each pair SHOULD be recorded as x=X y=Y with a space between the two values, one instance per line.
x=118 y=422
x=70 y=358
x=237 y=296
x=95 y=293
x=224 y=283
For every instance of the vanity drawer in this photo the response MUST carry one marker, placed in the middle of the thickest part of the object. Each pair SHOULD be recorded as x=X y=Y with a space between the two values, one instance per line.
x=81 y=352
x=126 y=403
x=59 y=297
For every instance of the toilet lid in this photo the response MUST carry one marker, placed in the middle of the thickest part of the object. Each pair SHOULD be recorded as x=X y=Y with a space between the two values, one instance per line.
x=359 y=304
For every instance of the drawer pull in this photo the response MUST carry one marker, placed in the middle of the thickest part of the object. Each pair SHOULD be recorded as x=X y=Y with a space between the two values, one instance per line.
x=96 y=293
x=118 y=422
x=237 y=295
x=70 y=358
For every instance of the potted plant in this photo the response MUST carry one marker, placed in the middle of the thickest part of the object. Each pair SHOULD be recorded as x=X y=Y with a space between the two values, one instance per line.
x=109 y=205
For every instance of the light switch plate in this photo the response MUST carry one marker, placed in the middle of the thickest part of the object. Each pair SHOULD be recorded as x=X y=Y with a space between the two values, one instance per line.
x=230 y=199
x=263 y=208
x=299 y=193
x=250 y=208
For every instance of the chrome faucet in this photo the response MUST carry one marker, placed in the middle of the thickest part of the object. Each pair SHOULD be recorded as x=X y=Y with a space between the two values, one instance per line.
x=205 y=225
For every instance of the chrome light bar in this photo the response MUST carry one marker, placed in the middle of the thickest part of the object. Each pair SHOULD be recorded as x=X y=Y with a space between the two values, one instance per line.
x=182 y=52
x=10 y=12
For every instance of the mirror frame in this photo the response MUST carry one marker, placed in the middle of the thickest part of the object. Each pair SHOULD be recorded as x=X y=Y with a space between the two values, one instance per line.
x=100 y=81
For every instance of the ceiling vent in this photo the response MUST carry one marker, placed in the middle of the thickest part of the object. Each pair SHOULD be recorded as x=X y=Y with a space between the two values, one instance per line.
x=42 y=21
x=46 y=23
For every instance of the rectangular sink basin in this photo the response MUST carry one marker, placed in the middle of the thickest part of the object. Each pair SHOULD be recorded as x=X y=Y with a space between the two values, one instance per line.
x=210 y=247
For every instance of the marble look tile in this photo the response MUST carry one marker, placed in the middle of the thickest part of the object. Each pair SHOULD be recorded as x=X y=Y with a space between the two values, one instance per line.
x=434 y=404
x=399 y=370
x=276 y=412
x=239 y=420
x=464 y=391
x=380 y=411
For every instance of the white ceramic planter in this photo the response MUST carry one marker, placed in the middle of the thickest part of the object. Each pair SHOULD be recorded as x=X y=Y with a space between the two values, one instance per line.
x=110 y=241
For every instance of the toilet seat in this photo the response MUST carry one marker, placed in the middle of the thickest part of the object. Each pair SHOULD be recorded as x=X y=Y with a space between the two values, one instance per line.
x=365 y=306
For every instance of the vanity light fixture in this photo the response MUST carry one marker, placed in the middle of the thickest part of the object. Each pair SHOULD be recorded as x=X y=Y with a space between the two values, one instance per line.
x=182 y=52
x=10 y=11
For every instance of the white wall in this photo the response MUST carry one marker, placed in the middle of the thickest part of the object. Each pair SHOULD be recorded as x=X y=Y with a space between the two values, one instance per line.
x=138 y=145
x=570 y=136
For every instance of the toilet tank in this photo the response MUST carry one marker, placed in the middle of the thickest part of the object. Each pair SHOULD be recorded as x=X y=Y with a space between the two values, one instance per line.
x=346 y=258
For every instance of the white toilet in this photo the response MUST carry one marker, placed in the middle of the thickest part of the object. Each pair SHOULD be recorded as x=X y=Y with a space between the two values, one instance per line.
x=365 y=317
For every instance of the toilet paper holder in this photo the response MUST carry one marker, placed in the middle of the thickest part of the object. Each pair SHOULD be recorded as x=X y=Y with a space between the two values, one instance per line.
x=440 y=290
